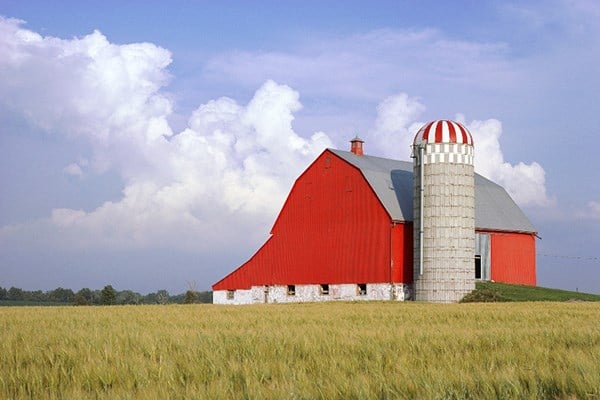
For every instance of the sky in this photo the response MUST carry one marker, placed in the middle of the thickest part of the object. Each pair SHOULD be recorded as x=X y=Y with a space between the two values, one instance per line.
x=150 y=145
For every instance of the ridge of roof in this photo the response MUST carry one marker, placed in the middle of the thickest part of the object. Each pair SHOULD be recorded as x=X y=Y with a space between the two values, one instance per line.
x=392 y=182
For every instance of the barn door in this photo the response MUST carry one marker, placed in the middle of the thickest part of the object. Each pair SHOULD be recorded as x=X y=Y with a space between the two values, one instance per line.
x=482 y=256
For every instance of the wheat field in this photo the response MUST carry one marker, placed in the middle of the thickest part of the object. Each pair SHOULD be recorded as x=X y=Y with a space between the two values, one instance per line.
x=302 y=351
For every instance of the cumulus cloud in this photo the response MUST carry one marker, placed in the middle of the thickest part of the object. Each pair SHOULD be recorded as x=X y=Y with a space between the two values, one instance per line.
x=526 y=183
x=226 y=174
x=397 y=123
x=232 y=163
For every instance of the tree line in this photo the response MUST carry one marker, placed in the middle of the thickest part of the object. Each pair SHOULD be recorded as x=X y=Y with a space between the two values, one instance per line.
x=105 y=296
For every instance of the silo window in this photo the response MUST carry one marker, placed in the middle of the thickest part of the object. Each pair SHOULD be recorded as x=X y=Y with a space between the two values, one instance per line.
x=325 y=289
x=291 y=290
x=477 y=267
x=361 y=289
x=230 y=294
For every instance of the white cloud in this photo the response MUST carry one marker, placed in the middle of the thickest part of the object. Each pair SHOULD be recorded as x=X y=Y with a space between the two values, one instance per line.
x=526 y=183
x=591 y=211
x=229 y=174
x=201 y=189
x=397 y=124
x=365 y=66
x=233 y=163
x=74 y=170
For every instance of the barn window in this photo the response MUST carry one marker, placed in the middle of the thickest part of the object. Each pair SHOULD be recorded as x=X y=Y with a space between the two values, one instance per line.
x=361 y=289
x=291 y=290
x=230 y=294
x=477 y=267
x=325 y=289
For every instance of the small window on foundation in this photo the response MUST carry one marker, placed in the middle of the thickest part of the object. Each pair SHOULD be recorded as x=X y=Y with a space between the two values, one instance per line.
x=230 y=294
x=325 y=289
x=477 y=267
x=361 y=289
x=291 y=290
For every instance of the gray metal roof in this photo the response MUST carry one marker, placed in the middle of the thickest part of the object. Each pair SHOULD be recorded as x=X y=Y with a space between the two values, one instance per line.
x=392 y=182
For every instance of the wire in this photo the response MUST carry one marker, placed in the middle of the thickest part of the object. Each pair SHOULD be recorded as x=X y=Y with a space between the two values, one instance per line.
x=586 y=258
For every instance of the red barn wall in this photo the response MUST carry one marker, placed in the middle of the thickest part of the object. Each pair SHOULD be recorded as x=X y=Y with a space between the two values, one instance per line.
x=331 y=229
x=402 y=252
x=513 y=258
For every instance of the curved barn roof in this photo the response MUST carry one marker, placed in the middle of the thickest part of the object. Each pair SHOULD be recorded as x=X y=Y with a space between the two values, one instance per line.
x=443 y=131
x=392 y=182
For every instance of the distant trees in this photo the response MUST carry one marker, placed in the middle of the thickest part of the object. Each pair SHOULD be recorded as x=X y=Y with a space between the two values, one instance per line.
x=61 y=295
x=108 y=295
x=162 y=297
x=128 y=297
x=15 y=293
x=84 y=297
x=190 y=297
x=87 y=296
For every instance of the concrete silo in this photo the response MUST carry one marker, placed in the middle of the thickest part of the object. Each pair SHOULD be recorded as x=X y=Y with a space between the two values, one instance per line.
x=444 y=212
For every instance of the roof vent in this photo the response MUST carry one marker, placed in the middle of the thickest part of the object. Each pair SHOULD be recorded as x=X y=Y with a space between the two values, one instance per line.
x=356 y=146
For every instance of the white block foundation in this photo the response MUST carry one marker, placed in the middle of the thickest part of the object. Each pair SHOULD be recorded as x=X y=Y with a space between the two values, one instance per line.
x=313 y=293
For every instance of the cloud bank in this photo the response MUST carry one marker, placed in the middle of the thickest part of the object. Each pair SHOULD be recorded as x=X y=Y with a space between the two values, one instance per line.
x=397 y=123
x=220 y=179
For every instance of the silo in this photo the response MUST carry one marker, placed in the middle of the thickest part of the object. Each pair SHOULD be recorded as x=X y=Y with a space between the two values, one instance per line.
x=444 y=212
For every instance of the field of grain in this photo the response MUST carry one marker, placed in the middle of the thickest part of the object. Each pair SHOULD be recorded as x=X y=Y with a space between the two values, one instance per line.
x=302 y=351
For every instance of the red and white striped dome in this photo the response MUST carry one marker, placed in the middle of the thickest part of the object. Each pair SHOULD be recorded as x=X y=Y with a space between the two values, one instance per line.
x=443 y=131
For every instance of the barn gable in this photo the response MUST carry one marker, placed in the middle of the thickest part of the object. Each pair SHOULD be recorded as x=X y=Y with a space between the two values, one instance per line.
x=332 y=229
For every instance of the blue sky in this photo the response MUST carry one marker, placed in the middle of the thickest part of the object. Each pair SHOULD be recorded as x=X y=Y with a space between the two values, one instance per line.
x=149 y=145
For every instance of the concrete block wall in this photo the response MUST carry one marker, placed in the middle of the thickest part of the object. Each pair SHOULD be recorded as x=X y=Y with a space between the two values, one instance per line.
x=449 y=231
x=313 y=293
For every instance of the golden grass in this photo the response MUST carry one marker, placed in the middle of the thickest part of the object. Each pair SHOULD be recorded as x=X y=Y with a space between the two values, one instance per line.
x=302 y=351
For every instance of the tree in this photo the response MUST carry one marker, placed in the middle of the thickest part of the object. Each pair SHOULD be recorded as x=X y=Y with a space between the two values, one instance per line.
x=87 y=294
x=80 y=300
x=15 y=294
x=61 y=295
x=205 y=297
x=3 y=293
x=128 y=297
x=190 y=297
x=108 y=295
x=162 y=296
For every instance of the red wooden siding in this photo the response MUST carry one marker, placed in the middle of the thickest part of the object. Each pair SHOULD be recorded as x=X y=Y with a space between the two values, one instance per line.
x=402 y=253
x=513 y=258
x=331 y=229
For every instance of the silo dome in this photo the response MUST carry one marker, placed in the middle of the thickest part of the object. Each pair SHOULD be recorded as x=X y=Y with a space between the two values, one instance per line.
x=443 y=131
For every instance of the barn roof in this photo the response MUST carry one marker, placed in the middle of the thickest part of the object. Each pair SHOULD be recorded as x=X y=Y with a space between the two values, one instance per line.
x=392 y=182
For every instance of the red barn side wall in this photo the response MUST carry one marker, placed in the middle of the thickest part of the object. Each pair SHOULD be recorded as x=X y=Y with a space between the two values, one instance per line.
x=331 y=229
x=513 y=258
x=402 y=252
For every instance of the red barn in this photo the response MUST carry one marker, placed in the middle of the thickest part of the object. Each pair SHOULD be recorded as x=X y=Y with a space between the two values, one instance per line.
x=345 y=232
